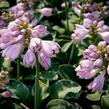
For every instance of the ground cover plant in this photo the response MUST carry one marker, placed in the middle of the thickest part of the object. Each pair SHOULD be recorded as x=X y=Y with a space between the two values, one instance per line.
x=54 y=54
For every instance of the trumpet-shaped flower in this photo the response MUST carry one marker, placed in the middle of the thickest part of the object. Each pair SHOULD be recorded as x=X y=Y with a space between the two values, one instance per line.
x=79 y=34
x=97 y=83
x=12 y=52
x=29 y=58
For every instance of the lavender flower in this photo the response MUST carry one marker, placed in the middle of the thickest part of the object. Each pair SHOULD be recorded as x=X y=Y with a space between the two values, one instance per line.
x=97 y=83
x=98 y=63
x=21 y=34
x=17 y=11
x=105 y=36
x=39 y=31
x=12 y=52
x=46 y=11
x=79 y=34
x=92 y=53
x=44 y=60
x=6 y=94
x=76 y=8
x=85 y=69
x=29 y=58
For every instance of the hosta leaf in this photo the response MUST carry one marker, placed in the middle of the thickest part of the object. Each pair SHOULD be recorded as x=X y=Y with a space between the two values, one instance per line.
x=19 y=89
x=4 y=4
x=65 y=89
x=16 y=106
x=58 y=29
x=66 y=46
x=66 y=71
x=44 y=89
x=61 y=104
x=95 y=107
x=62 y=57
x=51 y=74
x=94 y=96
x=105 y=102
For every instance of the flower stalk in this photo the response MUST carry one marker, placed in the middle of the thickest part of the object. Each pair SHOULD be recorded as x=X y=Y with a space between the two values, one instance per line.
x=71 y=53
x=66 y=14
x=37 y=97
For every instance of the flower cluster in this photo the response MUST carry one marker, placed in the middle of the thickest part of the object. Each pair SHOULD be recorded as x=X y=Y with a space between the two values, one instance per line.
x=92 y=22
x=22 y=36
x=95 y=65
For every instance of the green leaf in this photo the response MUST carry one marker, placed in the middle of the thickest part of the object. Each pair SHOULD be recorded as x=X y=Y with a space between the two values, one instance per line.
x=105 y=102
x=66 y=71
x=94 y=96
x=29 y=77
x=19 y=90
x=44 y=89
x=62 y=56
x=66 y=46
x=95 y=107
x=61 y=104
x=45 y=92
x=58 y=29
x=4 y=4
x=16 y=106
x=65 y=89
x=51 y=74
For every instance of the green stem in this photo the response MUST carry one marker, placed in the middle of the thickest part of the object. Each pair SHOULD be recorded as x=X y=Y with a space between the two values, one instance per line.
x=66 y=14
x=18 y=68
x=37 y=98
x=71 y=54
x=94 y=38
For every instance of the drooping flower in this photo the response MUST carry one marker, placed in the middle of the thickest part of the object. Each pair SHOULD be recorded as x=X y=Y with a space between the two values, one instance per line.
x=46 y=52
x=92 y=53
x=79 y=34
x=97 y=83
x=86 y=69
x=12 y=52
x=35 y=44
x=39 y=31
x=29 y=58
x=76 y=8
x=105 y=36
x=24 y=33
x=98 y=63
x=17 y=11
x=44 y=60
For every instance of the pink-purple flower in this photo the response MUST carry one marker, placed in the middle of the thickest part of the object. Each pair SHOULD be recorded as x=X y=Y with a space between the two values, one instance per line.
x=79 y=34
x=91 y=53
x=23 y=33
x=29 y=58
x=46 y=11
x=98 y=82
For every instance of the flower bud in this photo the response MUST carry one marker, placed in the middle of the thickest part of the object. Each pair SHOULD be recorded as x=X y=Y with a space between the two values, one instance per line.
x=6 y=94
x=98 y=63
x=46 y=11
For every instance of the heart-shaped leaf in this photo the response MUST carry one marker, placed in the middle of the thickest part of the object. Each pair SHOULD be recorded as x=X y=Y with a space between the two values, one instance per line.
x=65 y=89
x=19 y=89
x=61 y=104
